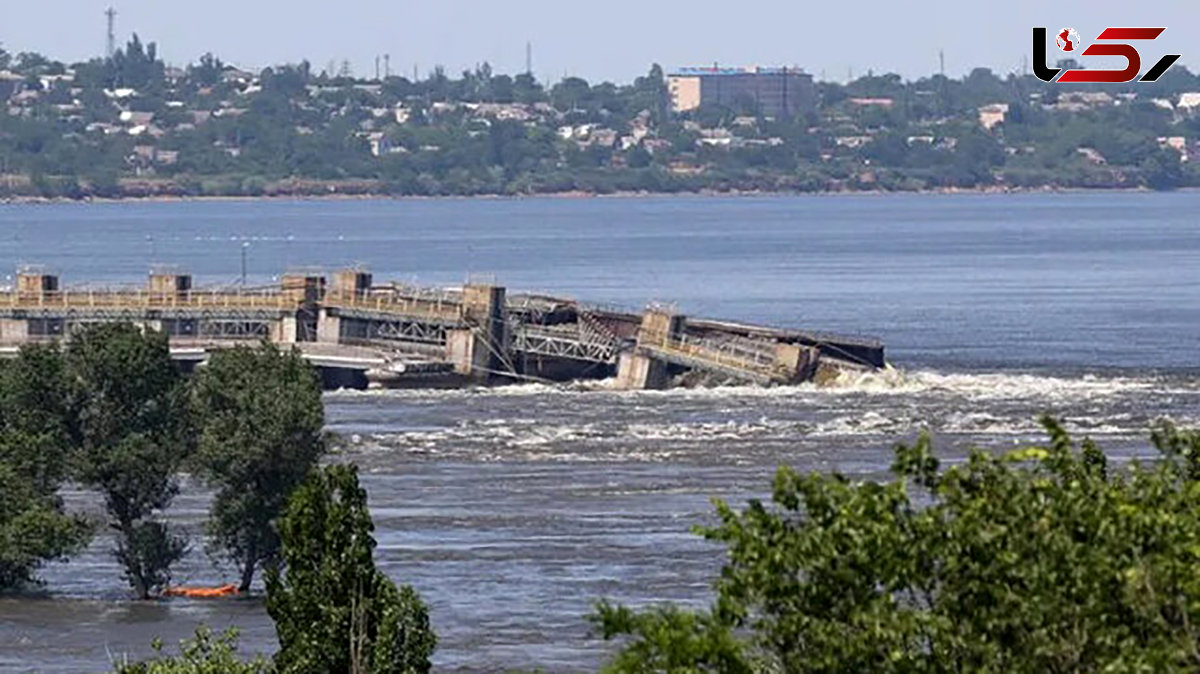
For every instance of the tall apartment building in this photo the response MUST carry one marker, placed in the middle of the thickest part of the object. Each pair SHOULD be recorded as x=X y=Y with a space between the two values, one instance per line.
x=774 y=92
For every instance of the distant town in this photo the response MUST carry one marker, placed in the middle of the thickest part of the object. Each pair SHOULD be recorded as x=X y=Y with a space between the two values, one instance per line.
x=128 y=125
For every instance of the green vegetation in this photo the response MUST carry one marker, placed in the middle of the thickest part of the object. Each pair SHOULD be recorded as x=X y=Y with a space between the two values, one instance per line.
x=111 y=410
x=206 y=654
x=131 y=126
x=1040 y=560
x=260 y=418
x=333 y=611
x=33 y=452
x=128 y=423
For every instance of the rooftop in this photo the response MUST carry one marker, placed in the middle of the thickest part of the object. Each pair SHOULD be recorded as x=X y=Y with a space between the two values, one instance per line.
x=705 y=71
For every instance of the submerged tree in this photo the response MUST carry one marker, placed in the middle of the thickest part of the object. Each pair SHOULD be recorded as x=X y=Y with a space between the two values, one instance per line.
x=260 y=417
x=333 y=610
x=33 y=459
x=1037 y=560
x=128 y=424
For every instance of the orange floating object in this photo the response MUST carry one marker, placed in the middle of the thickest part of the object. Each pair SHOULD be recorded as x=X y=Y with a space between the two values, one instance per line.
x=201 y=592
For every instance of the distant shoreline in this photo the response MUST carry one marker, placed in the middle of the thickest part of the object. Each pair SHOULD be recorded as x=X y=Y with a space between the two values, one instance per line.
x=572 y=194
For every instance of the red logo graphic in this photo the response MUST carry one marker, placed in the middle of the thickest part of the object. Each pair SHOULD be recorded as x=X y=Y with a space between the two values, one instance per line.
x=1068 y=40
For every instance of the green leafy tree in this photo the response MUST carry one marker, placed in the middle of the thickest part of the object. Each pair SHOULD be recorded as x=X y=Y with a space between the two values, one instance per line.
x=206 y=654
x=1163 y=170
x=333 y=610
x=137 y=65
x=128 y=426
x=260 y=417
x=1038 y=560
x=33 y=529
x=33 y=455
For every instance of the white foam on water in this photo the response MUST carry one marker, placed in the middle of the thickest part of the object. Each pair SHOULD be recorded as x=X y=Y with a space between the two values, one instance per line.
x=991 y=386
x=988 y=386
x=592 y=422
x=867 y=423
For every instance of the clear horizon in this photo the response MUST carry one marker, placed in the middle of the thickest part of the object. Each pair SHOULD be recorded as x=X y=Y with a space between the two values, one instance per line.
x=616 y=42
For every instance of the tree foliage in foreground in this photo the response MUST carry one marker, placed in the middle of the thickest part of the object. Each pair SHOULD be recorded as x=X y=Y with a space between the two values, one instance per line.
x=333 y=610
x=206 y=654
x=1040 y=560
x=260 y=416
x=128 y=426
x=33 y=463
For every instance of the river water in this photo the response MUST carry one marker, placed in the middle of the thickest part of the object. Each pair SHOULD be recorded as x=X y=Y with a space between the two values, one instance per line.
x=513 y=509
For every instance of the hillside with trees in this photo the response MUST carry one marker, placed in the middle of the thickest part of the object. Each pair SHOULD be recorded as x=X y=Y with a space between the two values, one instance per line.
x=131 y=126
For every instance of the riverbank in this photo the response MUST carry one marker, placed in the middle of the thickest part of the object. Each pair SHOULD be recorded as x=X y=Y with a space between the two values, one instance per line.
x=335 y=195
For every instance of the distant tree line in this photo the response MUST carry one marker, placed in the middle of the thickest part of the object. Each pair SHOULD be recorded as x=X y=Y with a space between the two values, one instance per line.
x=297 y=131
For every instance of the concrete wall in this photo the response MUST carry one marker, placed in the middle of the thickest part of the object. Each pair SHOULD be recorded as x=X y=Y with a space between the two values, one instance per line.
x=659 y=325
x=798 y=363
x=169 y=285
x=483 y=306
x=329 y=327
x=13 y=330
x=637 y=371
x=685 y=92
x=351 y=283
x=469 y=353
x=283 y=331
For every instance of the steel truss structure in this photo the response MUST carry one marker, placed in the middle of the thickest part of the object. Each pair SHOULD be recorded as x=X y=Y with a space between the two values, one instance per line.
x=241 y=330
x=240 y=323
x=405 y=330
x=575 y=344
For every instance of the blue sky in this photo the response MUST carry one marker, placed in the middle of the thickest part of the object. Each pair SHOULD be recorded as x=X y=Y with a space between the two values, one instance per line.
x=615 y=39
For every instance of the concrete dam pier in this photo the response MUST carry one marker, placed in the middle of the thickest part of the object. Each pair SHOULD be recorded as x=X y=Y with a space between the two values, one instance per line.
x=359 y=333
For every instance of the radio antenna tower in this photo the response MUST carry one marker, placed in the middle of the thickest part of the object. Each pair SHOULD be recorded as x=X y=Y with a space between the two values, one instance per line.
x=528 y=58
x=111 y=15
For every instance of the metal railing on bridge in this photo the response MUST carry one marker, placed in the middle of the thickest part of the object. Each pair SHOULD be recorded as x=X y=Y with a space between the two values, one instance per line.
x=145 y=299
x=432 y=305
x=735 y=357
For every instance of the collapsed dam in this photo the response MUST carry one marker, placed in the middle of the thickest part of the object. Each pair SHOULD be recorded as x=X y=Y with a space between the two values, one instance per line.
x=360 y=333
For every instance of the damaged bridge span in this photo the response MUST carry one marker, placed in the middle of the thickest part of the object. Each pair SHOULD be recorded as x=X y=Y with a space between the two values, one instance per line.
x=359 y=333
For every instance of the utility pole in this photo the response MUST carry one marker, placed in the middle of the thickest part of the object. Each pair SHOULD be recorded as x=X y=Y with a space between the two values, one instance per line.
x=245 y=245
x=111 y=15
x=942 y=82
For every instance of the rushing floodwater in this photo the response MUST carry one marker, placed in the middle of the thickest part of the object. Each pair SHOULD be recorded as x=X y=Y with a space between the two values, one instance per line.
x=511 y=510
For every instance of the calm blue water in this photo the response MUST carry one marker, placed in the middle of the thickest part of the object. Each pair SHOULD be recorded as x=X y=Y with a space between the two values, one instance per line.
x=512 y=510
x=999 y=281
